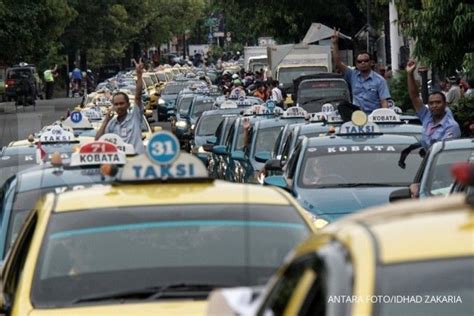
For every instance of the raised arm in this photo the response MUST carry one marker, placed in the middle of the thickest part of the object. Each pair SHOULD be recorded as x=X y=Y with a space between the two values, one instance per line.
x=139 y=86
x=412 y=87
x=335 y=52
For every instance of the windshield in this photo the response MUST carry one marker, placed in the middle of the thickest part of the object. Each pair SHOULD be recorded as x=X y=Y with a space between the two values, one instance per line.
x=426 y=282
x=313 y=94
x=208 y=125
x=28 y=194
x=201 y=106
x=440 y=179
x=287 y=75
x=328 y=166
x=148 y=82
x=19 y=73
x=173 y=88
x=161 y=76
x=184 y=105
x=266 y=138
x=226 y=245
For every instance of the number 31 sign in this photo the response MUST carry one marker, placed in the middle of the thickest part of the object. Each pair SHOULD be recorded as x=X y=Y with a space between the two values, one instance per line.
x=163 y=148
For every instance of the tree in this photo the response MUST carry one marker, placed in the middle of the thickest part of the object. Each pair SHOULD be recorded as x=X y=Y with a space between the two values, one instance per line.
x=442 y=29
x=29 y=30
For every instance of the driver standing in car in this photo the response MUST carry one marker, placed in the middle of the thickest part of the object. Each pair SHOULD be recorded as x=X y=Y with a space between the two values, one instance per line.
x=369 y=89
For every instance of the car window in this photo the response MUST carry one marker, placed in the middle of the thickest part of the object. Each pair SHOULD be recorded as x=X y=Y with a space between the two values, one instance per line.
x=293 y=162
x=326 y=166
x=440 y=179
x=220 y=245
x=426 y=282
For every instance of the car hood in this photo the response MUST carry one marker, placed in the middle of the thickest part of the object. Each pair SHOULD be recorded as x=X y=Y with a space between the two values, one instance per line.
x=333 y=203
x=181 y=307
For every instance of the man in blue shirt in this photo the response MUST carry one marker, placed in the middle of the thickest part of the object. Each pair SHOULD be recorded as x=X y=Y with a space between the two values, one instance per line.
x=369 y=89
x=127 y=124
x=437 y=119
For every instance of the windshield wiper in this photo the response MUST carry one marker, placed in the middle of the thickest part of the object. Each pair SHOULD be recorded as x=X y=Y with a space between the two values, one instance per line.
x=152 y=292
x=323 y=99
x=311 y=101
x=355 y=185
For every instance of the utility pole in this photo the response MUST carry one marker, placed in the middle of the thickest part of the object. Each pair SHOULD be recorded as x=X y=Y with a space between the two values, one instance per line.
x=368 y=26
x=394 y=36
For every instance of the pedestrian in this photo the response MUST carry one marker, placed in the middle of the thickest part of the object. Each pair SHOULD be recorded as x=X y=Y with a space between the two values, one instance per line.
x=261 y=92
x=437 y=119
x=454 y=93
x=276 y=94
x=369 y=89
x=76 y=79
x=127 y=124
x=49 y=76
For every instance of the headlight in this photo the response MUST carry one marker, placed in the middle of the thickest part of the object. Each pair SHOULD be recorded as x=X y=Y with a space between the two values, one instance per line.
x=161 y=101
x=192 y=127
x=182 y=124
x=320 y=223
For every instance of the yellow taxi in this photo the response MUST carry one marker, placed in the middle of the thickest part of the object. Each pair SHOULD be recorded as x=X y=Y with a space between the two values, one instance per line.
x=154 y=242
x=408 y=258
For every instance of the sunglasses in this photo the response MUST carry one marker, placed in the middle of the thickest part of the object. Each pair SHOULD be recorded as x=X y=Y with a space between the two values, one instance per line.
x=363 y=61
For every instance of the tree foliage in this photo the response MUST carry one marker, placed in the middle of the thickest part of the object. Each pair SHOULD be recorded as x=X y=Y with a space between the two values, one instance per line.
x=287 y=21
x=442 y=29
x=29 y=29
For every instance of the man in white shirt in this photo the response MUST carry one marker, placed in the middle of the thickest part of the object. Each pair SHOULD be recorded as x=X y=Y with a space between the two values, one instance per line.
x=276 y=94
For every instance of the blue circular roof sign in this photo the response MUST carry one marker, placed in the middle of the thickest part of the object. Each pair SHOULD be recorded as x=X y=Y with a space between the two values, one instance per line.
x=76 y=117
x=163 y=148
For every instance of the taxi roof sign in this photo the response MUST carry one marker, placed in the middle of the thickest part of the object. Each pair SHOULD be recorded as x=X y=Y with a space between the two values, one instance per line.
x=82 y=123
x=294 y=112
x=56 y=135
x=318 y=117
x=128 y=149
x=359 y=125
x=229 y=105
x=384 y=116
x=327 y=108
x=96 y=153
x=257 y=109
x=92 y=114
x=163 y=161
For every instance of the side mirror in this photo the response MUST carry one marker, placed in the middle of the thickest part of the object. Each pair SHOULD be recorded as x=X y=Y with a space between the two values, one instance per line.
x=238 y=155
x=208 y=147
x=273 y=165
x=212 y=140
x=277 y=181
x=220 y=150
x=400 y=194
x=157 y=129
x=262 y=156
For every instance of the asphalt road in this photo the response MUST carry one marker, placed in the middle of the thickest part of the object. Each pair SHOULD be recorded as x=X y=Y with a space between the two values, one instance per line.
x=18 y=123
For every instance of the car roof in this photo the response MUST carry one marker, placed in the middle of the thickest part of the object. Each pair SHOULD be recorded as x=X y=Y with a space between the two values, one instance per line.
x=185 y=193
x=453 y=144
x=49 y=176
x=223 y=111
x=335 y=140
x=409 y=231
x=278 y=121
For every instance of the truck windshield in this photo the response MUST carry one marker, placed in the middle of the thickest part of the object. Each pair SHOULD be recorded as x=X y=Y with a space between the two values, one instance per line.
x=287 y=75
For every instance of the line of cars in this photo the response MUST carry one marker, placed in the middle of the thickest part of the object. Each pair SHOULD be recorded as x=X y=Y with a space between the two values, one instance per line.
x=97 y=229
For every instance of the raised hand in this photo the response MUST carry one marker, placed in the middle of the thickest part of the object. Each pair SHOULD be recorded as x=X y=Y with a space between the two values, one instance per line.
x=139 y=67
x=411 y=66
x=335 y=36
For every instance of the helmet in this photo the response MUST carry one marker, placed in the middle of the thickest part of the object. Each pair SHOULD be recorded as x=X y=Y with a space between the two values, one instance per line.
x=235 y=76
